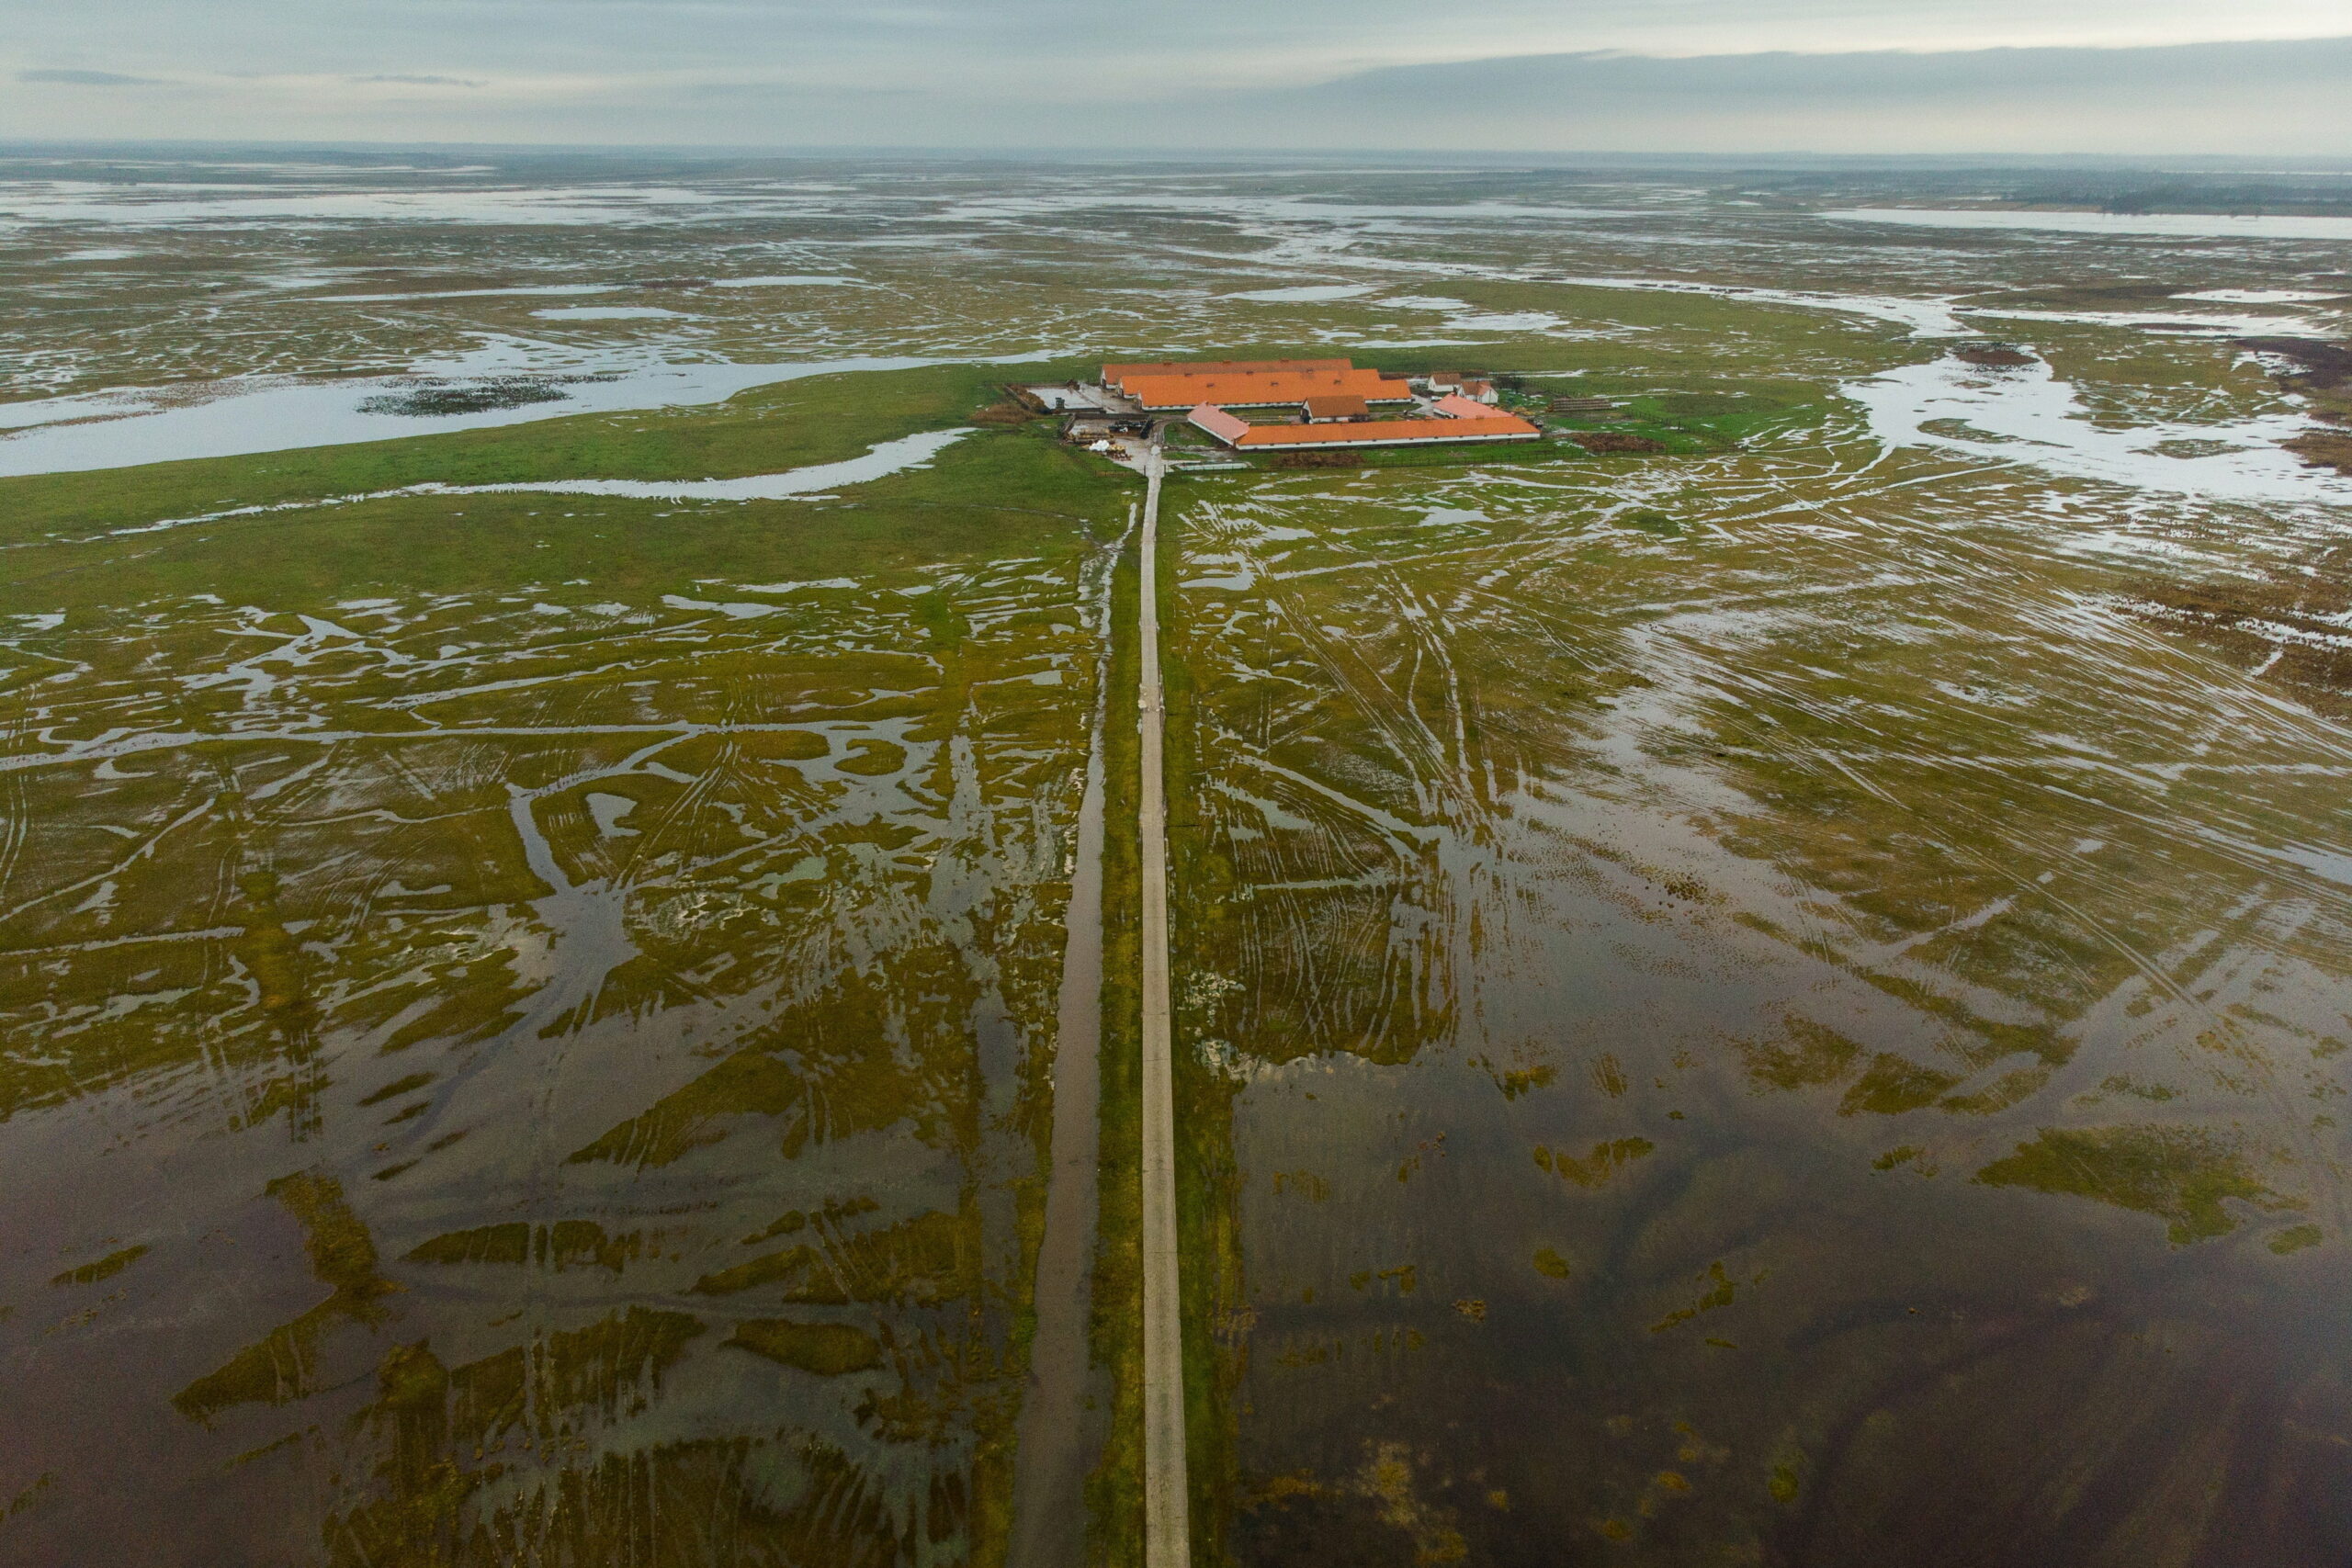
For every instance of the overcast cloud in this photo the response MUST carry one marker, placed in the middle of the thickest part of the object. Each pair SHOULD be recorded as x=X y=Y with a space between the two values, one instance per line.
x=1871 y=75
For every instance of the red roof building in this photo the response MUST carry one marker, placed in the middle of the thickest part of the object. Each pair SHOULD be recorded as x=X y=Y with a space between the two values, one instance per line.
x=1262 y=389
x=1242 y=435
x=1115 y=375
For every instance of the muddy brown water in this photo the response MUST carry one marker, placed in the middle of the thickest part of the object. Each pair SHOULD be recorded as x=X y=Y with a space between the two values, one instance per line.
x=578 y=1104
x=1785 y=1027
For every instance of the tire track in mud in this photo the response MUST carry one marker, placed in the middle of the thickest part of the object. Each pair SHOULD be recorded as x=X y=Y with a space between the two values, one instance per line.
x=1995 y=571
x=1444 y=866
x=2001 y=578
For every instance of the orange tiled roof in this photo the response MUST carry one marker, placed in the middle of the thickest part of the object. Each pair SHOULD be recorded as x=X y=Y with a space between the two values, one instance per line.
x=1116 y=375
x=1494 y=427
x=1256 y=389
x=1337 y=405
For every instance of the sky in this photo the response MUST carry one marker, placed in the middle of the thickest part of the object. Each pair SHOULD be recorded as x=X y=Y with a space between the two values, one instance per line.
x=2051 y=76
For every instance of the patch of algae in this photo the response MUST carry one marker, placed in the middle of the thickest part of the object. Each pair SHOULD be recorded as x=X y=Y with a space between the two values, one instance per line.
x=874 y=759
x=1522 y=1080
x=399 y=1087
x=828 y=1350
x=597 y=1365
x=30 y=1496
x=928 y=1259
x=280 y=1367
x=270 y=952
x=1387 y=1479
x=827 y=1072
x=565 y=1244
x=105 y=1267
x=2294 y=1238
x=439 y=1500
x=1893 y=1085
x=1811 y=1055
x=2184 y=1176
x=1725 y=1290
x=1595 y=1168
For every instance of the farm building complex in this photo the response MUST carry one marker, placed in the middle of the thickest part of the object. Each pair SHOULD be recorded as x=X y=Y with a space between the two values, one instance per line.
x=1300 y=404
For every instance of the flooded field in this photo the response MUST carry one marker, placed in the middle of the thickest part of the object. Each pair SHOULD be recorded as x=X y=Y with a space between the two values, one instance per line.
x=1782 y=1025
x=1780 y=998
x=511 y=1063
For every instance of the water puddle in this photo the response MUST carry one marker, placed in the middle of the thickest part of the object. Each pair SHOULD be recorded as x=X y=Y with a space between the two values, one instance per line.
x=889 y=458
x=1926 y=318
x=789 y=281
x=173 y=205
x=2028 y=415
x=2262 y=296
x=1304 y=293
x=2204 y=322
x=2162 y=225
x=609 y=313
x=552 y=290
x=115 y=430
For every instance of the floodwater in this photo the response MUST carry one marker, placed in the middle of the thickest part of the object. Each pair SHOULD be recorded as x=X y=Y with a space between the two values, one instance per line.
x=1785 y=1001
x=2166 y=225
x=500 y=1081
x=2028 y=415
x=1066 y=1405
x=124 y=429
x=1767 y=1021
x=886 y=459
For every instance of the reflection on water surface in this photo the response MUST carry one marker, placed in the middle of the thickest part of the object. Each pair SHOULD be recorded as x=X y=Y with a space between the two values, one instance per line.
x=1778 y=1001
x=1784 y=1028
x=545 y=1079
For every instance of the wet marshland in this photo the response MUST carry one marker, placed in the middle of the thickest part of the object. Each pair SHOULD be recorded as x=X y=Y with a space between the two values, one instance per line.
x=1783 y=1000
x=1838 y=1028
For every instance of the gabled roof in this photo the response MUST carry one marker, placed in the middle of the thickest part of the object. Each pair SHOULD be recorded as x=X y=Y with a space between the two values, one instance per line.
x=1264 y=388
x=1337 y=405
x=1225 y=427
x=1490 y=426
x=1117 y=375
x=1453 y=405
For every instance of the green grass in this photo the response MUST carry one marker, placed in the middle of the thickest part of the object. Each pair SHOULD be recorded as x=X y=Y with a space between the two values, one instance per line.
x=766 y=430
x=1114 y=1490
x=996 y=492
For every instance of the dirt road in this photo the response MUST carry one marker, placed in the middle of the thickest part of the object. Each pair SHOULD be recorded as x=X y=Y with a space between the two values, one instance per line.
x=1167 y=1530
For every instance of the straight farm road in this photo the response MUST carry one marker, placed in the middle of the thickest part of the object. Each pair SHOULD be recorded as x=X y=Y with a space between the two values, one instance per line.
x=1166 y=1525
